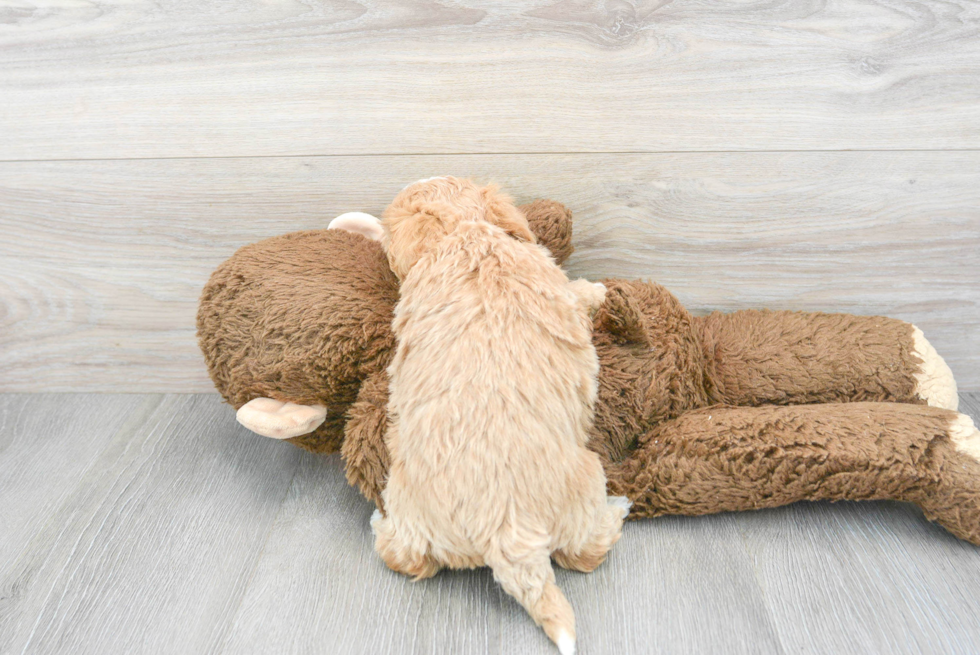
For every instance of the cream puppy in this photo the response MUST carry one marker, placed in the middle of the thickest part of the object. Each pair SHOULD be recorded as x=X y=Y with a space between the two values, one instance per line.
x=493 y=384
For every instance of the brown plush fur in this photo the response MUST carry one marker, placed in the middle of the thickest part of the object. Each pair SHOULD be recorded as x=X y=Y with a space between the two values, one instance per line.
x=662 y=371
x=811 y=350
x=705 y=462
x=304 y=317
x=492 y=389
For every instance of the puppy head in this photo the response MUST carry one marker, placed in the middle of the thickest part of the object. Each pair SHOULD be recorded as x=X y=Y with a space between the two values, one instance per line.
x=428 y=210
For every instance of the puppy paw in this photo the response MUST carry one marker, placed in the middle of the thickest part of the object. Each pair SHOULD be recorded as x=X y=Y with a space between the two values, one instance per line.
x=621 y=502
x=359 y=223
x=599 y=294
x=591 y=295
x=375 y=517
x=279 y=420
x=934 y=381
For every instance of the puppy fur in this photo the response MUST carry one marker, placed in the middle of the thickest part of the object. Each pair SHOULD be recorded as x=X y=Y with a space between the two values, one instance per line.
x=493 y=385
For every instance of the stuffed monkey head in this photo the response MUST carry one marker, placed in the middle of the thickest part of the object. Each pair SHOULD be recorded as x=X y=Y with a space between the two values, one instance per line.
x=306 y=317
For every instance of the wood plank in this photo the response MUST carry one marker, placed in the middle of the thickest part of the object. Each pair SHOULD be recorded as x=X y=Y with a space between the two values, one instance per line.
x=102 y=262
x=48 y=443
x=663 y=580
x=864 y=577
x=970 y=405
x=247 y=78
x=320 y=587
x=153 y=547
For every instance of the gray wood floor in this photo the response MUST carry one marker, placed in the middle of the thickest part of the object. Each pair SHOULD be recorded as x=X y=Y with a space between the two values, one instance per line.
x=156 y=524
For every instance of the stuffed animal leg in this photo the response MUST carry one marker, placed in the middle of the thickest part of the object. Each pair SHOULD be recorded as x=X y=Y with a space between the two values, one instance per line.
x=757 y=357
x=723 y=458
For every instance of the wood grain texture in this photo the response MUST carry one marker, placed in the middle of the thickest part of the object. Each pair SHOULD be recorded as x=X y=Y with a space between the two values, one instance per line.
x=151 y=548
x=244 y=78
x=76 y=430
x=102 y=262
x=166 y=528
x=48 y=445
x=874 y=578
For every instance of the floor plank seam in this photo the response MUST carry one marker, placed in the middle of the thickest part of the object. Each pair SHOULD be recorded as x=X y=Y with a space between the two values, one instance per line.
x=534 y=153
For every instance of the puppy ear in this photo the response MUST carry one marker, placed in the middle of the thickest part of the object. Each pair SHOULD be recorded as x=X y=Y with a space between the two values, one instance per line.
x=412 y=229
x=502 y=213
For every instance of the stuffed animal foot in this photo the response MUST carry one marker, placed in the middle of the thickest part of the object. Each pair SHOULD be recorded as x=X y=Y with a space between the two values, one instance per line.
x=965 y=436
x=359 y=223
x=934 y=381
x=279 y=420
x=954 y=501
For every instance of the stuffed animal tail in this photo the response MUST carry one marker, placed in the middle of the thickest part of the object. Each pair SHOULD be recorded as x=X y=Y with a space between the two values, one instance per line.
x=531 y=581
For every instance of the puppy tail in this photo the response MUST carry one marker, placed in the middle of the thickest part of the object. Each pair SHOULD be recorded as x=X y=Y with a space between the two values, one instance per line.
x=530 y=579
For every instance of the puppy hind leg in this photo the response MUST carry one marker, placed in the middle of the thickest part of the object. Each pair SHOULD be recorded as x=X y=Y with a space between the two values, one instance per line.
x=399 y=551
x=606 y=531
x=530 y=579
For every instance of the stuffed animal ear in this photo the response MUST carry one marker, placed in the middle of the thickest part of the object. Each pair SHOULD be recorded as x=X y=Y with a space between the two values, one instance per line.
x=500 y=211
x=359 y=223
x=280 y=420
x=551 y=223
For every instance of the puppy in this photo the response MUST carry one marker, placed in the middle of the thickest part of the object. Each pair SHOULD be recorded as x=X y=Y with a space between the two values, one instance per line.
x=493 y=384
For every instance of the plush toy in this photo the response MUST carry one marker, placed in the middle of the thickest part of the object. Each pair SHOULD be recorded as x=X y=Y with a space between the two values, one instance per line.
x=695 y=415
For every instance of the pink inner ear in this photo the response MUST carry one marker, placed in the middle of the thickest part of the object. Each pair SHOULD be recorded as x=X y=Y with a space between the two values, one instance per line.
x=359 y=223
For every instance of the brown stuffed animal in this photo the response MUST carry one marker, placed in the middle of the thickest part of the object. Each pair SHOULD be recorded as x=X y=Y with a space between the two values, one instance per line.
x=695 y=415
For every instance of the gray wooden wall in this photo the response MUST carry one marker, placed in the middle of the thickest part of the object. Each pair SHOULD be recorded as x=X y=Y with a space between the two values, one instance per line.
x=799 y=155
